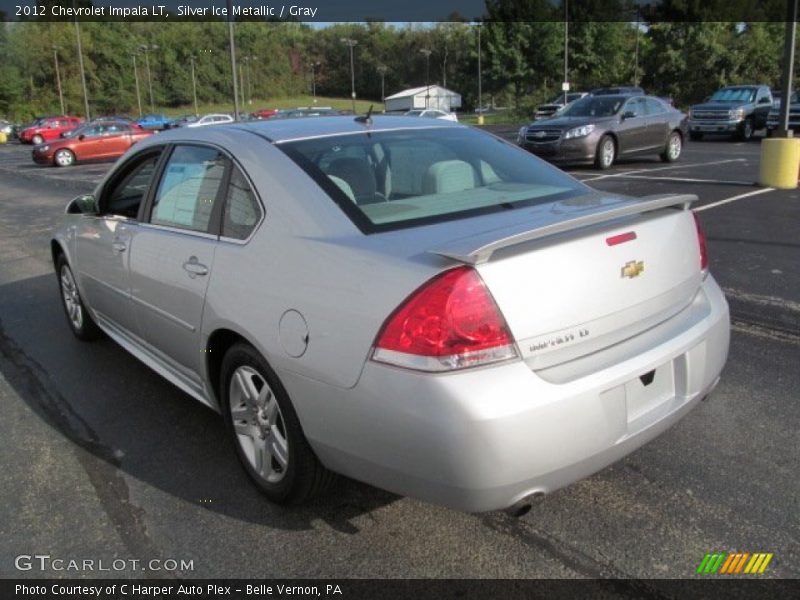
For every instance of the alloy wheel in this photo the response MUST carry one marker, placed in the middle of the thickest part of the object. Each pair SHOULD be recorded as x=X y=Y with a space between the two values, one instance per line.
x=258 y=424
x=674 y=148
x=64 y=158
x=72 y=301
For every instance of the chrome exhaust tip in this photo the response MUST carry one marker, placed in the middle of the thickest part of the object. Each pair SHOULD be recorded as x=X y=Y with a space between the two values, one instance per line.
x=522 y=507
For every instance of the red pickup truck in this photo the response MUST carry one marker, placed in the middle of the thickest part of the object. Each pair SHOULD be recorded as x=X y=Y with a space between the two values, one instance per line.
x=48 y=128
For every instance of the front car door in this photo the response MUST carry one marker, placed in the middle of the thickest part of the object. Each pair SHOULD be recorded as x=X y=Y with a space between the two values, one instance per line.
x=173 y=255
x=103 y=243
x=632 y=129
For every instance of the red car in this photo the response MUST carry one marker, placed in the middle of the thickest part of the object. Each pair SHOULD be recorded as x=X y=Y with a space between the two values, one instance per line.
x=48 y=128
x=265 y=113
x=91 y=142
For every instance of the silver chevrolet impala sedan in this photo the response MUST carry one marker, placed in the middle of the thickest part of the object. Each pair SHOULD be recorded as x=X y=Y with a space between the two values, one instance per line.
x=417 y=305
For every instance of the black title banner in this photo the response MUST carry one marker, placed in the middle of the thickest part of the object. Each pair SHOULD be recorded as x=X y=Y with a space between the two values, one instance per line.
x=323 y=11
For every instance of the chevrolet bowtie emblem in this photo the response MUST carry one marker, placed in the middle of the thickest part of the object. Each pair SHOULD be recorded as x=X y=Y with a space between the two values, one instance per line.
x=632 y=269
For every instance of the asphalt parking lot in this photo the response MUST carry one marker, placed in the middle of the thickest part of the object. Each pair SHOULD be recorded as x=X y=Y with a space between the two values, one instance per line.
x=104 y=459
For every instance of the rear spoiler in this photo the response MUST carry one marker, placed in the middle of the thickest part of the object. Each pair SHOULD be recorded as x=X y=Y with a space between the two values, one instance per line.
x=479 y=248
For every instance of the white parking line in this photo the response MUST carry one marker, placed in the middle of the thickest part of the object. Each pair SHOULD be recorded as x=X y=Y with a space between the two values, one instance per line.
x=681 y=166
x=688 y=180
x=733 y=199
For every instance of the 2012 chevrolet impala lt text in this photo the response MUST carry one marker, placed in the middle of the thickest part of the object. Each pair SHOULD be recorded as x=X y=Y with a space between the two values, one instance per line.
x=417 y=305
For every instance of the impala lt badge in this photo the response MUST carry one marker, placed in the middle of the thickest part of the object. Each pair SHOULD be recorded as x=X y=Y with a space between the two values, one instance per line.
x=632 y=269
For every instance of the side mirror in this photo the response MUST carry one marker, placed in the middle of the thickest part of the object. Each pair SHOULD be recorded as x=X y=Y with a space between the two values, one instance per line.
x=628 y=114
x=764 y=100
x=83 y=205
x=81 y=137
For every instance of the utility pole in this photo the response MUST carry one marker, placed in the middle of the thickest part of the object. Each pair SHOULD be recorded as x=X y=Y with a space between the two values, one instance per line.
x=83 y=73
x=565 y=85
x=480 y=99
x=136 y=79
x=788 y=68
x=194 y=87
x=427 y=52
x=147 y=49
x=636 y=63
x=58 y=81
x=382 y=69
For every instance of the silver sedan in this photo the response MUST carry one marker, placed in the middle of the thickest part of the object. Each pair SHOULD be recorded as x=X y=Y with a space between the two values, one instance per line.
x=408 y=302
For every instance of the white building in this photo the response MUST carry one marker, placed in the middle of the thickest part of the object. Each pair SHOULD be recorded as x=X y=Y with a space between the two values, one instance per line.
x=438 y=97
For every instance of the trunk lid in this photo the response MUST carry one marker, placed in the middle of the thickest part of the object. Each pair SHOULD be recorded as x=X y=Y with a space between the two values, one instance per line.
x=587 y=279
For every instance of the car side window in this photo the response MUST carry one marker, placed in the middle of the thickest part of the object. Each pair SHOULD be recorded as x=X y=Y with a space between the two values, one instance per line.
x=636 y=106
x=654 y=107
x=124 y=197
x=242 y=211
x=189 y=187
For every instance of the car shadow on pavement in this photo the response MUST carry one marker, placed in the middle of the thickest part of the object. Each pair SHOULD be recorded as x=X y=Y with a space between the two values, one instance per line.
x=108 y=403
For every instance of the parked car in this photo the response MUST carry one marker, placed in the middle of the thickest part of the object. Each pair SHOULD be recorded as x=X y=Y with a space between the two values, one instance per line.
x=544 y=111
x=600 y=129
x=618 y=90
x=184 y=120
x=773 y=119
x=115 y=119
x=737 y=110
x=98 y=141
x=455 y=320
x=433 y=113
x=265 y=113
x=48 y=128
x=154 y=121
x=217 y=119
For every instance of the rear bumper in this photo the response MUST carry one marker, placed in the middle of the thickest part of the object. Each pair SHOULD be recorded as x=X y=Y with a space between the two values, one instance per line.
x=482 y=439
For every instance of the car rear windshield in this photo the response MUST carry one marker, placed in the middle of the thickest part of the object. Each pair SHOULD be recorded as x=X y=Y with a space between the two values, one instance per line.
x=734 y=95
x=393 y=179
x=594 y=106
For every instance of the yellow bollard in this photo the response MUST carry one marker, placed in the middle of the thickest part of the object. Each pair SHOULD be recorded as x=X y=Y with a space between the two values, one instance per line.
x=480 y=119
x=780 y=162
x=3 y=137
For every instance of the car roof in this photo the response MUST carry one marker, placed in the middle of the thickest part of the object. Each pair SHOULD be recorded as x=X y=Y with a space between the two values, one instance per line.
x=292 y=129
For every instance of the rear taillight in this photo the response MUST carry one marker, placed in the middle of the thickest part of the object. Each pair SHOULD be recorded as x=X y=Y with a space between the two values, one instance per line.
x=701 y=240
x=451 y=322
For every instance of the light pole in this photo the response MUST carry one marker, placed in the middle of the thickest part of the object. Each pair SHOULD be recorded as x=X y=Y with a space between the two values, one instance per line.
x=427 y=54
x=636 y=53
x=58 y=80
x=352 y=44
x=480 y=99
x=314 y=65
x=194 y=86
x=83 y=73
x=136 y=79
x=382 y=70
x=147 y=49
x=232 y=45
x=565 y=85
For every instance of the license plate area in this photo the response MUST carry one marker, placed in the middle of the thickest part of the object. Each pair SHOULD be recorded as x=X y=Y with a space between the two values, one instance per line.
x=649 y=391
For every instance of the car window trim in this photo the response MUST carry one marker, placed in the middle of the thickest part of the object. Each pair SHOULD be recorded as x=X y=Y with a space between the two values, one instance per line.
x=123 y=175
x=148 y=210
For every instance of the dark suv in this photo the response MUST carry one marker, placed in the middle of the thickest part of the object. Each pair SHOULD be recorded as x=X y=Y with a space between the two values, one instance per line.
x=737 y=110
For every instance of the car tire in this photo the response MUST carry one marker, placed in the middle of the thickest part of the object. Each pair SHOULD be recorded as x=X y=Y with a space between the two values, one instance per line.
x=78 y=318
x=64 y=158
x=746 y=130
x=695 y=136
x=37 y=139
x=606 y=153
x=672 y=150
x=265 y=430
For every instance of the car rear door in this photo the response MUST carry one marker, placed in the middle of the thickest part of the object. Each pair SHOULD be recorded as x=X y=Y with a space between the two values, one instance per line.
x=173 y=254
x=658 y=126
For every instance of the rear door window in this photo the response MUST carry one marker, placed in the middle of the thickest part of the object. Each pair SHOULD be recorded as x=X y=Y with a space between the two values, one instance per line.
x=125 y=194
x=241 y=212
x=189 y=187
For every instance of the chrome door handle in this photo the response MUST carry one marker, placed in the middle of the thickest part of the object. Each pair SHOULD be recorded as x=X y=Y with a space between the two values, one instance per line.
x=194 y=268
x=119 y=246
